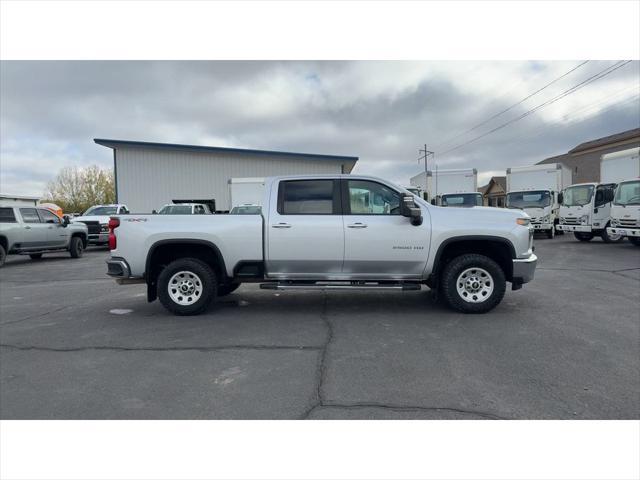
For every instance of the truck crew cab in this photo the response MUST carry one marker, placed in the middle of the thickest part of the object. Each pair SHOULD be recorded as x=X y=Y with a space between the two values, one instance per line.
x=327 y=232
x=29 y=230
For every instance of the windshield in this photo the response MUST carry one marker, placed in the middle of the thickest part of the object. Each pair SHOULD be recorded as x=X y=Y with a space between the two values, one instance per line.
x=462 y=200
x=102 y=211
x=535 y=199
x=246 y=210
x=578 y=195
x=628 y=193
x=175 y=210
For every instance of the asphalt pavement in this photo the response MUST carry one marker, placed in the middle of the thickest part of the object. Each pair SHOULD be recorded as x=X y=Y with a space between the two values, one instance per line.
x=74 y=345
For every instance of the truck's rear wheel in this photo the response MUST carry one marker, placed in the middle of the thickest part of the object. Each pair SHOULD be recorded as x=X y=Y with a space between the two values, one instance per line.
x=583 y=236
x=473 y=283
x=187 y=286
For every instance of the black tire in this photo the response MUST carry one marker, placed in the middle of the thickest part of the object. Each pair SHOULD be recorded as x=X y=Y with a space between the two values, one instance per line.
x=606 y=238
x=633 y=240
x=454 y=269
x=35 y=256
x=3 y=255
x=583 y=237
x=551 y=233
x=204 y=273
x=76 y=247
x=227 y=289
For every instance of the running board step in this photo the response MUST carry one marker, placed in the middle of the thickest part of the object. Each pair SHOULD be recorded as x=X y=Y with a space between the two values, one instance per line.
x=355 y=285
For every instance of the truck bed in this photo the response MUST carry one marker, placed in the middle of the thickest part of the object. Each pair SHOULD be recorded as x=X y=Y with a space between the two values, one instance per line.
x=238 y=237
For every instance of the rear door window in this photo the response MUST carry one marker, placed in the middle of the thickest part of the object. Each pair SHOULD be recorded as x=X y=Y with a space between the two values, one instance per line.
x=7 y=215
x=309 y=197
x=29 y=215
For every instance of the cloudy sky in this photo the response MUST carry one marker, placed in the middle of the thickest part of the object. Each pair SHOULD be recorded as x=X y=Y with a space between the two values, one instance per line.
x=383 y=112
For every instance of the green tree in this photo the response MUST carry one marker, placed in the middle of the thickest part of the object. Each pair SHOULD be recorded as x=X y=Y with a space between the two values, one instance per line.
x=77 y=188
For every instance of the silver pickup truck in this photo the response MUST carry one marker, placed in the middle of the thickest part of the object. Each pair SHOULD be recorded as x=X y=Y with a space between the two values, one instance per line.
x=327 y=232
x=33 y=231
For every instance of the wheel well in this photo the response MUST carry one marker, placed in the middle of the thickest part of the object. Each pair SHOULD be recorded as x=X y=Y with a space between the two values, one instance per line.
x=163 y=253
x=499 y=251
x=83 y=237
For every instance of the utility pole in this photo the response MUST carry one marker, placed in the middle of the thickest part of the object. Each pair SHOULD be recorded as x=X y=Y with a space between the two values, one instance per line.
x=425 y=156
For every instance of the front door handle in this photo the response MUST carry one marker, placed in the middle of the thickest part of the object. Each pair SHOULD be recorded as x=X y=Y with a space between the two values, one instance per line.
x=357 y=225
x=281 y=225
x=27 y=227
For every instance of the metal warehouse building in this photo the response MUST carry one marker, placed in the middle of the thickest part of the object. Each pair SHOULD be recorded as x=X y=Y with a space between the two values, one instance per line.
x=149 y=175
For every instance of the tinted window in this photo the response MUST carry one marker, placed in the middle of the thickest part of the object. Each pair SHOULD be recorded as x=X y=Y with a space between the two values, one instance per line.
x=306 y=197
x=29 y=215
x=371 y=198
x=49 y=217
x=7 y=215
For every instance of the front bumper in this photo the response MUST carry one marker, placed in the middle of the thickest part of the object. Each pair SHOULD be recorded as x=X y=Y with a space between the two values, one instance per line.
x=624 y=231
x=99 y=237
x=542 y=226
x=524 y=269
x=575 y=228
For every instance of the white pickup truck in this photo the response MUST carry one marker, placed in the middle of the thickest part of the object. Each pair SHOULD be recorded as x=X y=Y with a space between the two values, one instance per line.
x=327 y=232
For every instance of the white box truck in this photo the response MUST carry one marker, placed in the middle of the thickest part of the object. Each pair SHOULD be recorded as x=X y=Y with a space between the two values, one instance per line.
x=536 y=190
x=586 y=208
x=456 y=187
x=246 y=191
x=625 y=208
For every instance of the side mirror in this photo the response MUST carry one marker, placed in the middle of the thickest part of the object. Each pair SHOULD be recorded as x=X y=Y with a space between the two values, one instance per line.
x=560 y=197
x=409 y=209
x=65 y=220
x=153 y=212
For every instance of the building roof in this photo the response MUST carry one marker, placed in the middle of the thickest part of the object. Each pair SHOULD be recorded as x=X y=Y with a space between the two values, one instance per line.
x=604 y=141
x=499 y=181
x=202 y=148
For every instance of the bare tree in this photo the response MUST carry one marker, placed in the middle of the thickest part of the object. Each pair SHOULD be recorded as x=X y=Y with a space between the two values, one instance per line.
x=76 y=189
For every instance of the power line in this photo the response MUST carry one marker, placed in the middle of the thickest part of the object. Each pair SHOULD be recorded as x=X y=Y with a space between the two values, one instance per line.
x=515 y=104
x=569 y=91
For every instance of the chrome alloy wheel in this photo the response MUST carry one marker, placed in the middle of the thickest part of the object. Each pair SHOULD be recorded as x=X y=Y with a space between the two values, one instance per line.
x=185 y=288
x=474 y=285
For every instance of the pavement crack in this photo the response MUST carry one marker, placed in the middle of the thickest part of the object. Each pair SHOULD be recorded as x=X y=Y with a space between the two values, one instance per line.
x=410 y=408
x=35 y=316
x=161 y=349
x=321 y=370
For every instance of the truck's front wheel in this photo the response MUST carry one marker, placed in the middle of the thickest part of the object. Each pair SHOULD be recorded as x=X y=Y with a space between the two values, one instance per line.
x=473 y=283
x=187 y=286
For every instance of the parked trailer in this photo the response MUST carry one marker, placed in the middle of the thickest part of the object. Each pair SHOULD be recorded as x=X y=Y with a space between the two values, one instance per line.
x=536 y=189
x=451 y=187
x=246 y=191
x=586 y=208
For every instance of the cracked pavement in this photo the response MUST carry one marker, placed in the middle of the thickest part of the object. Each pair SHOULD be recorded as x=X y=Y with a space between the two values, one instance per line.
x=74 y=345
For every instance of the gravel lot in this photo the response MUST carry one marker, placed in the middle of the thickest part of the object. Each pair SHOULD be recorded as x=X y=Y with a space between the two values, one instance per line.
x=74 y=345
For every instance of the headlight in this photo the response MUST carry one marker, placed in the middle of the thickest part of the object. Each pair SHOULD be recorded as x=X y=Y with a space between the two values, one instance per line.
x=584 y=219
x=614 y=222
x=104 y=227
x=523 y=221
x=561 y=219
x=544 y=219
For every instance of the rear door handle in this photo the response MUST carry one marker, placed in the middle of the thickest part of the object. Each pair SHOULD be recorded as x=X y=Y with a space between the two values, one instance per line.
x=281 y=225
x=357 y=225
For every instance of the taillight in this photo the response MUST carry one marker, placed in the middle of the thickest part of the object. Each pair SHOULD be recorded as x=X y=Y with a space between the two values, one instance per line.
x=113 y=224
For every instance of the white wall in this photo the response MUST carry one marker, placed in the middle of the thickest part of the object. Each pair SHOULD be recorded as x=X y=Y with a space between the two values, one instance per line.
x=148 y=178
